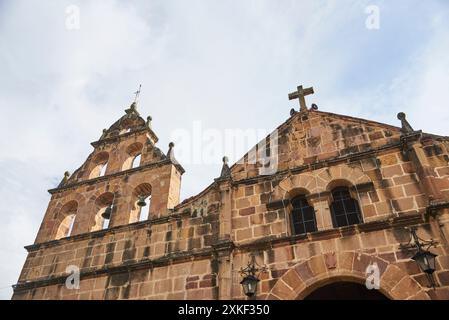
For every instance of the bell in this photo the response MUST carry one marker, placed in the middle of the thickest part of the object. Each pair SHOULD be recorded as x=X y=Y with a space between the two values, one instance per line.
x=141 y=202
x=107 y=213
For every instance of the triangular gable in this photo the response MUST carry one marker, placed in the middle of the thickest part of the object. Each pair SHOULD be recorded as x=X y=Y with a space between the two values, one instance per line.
x=310 y=137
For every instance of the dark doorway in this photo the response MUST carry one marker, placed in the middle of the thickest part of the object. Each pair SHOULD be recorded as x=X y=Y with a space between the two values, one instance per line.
x=345 y=291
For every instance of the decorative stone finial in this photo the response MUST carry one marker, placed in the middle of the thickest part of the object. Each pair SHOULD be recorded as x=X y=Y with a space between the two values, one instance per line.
x=132 y=109
x=149 y=119
x=171 y=153
x=225 y=170
x=171 y=157
x=65 y=179
x=103 y=134
x=405 y=126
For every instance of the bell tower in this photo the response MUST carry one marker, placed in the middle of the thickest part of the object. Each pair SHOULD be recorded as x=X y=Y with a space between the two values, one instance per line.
x=126 y=179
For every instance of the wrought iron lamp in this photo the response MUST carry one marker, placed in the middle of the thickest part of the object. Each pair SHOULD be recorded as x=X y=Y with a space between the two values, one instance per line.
x=423 y=257
x=250 y=276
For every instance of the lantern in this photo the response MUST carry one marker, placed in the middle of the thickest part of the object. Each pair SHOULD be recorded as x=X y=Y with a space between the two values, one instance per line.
x=425 y=261
x=423 y=257
x=249 y=284
x=250 y=277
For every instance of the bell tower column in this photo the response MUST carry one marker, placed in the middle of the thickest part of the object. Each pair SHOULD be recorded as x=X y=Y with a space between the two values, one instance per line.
x=412 y=148
x=224 y=245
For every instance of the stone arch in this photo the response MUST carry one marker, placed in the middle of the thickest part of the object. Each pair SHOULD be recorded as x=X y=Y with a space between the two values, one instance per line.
x=346 y=174
x=319 y=181
x=59 y=210
x=294 y=192
x=308 y=275
x=102 y=202
x=67 y=197
x=98 y=164
x=293 y=185
x=338 y=183
x=65 y=226
x=134 y=148
x=132 y=152
x=100 y=158
x=143 y=190
x=64 y=217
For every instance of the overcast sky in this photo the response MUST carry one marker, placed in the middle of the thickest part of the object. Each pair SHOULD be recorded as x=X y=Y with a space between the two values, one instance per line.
x=213 y=65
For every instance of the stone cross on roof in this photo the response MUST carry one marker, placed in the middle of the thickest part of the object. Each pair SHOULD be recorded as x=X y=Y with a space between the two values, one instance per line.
x=300 y=95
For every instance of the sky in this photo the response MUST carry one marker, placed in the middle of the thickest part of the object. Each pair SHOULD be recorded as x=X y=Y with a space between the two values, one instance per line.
x=208 y=69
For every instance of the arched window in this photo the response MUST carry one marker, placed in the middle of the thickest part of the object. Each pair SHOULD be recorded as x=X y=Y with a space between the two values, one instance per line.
x=99 y=165
x=143 y=213
x=106 y=215
x=344 y=209
x=136 y=161
x=66 y=226
x=303 y=216
x=103 y=170
x=66 y=218
x=133 y=156
x=140 y=209
x=72 y=223
x=105 y=208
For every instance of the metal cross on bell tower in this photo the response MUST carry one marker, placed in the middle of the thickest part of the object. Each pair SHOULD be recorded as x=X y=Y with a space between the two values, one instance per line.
x=137 y=93
x=300 y=95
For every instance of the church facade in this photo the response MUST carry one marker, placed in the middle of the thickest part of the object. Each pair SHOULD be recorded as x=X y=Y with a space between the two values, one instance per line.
x=327 y=207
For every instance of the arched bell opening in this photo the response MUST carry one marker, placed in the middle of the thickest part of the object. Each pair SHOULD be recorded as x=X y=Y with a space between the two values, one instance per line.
x=141 y=203
x=105 y=206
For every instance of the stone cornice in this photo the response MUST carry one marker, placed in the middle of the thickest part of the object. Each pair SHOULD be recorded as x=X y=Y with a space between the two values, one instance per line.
x=113 y=230
x=97 y=143
x=273 y=241
x=114 y=175
x=434 y=206
x=412 y=136
x=222 y=247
